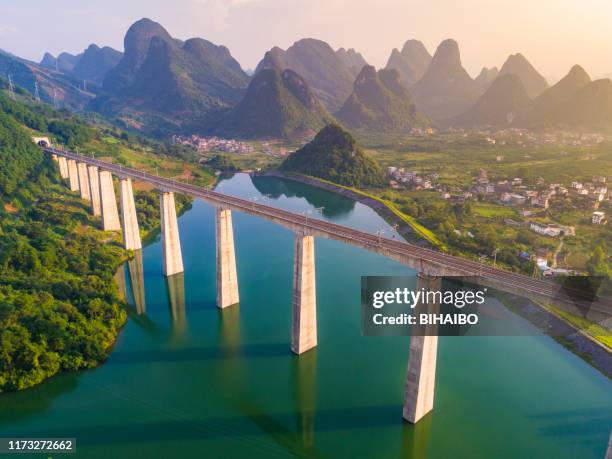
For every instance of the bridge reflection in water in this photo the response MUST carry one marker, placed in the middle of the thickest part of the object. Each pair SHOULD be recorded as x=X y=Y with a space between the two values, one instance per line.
x=176 y=299
x=136 y=270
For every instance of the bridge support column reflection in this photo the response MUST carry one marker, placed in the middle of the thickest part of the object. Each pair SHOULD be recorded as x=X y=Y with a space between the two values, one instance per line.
x=94 y=188
x=63 y=167
x=137 y=280
x=171 y=243
x=120 y=280
x=73 y=175
x=227 y=278
x=83 y=181
x=304 y=310
x=421 y=378
x=306 y=378
x=108 y=203
x=176 y=298
x=415 y=439
x=131 y=233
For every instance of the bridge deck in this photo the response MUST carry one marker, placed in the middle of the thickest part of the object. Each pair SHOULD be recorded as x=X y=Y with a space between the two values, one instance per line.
x=416 y=257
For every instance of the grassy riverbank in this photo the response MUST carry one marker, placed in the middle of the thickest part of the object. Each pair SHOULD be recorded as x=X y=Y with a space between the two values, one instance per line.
x=367 y=198
x=593 y=343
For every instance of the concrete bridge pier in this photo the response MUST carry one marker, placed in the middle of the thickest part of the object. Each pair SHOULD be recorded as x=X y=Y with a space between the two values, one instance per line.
x=131 y=234
x=73 y=175
x=83 y=181
x=421 y=378
x=63 y=167
x=171 y=243
x=304 y=321
x=108 y=203
x=227 y=278
x=94 y=188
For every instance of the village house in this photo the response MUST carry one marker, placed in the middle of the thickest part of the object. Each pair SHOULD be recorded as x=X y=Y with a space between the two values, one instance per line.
x=577 y=185
x=539 y=201
x=599 y=218
x=551 y=229
x=483 y=179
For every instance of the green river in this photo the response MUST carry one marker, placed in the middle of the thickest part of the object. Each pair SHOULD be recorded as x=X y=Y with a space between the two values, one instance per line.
x=188 y=380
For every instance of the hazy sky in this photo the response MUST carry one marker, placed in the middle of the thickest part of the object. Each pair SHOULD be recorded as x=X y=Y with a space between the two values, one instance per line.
x=552 y=34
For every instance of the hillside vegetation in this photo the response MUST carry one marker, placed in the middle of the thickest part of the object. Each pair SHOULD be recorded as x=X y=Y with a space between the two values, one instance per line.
x=380 y=102
x=59 y=307
x=334 y=155
x=278 y=103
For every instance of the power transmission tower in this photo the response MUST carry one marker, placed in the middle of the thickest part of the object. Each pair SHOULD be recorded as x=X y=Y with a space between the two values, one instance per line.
x=11 y=88
x=84 y=86
x=36 y=92
x=54 y=98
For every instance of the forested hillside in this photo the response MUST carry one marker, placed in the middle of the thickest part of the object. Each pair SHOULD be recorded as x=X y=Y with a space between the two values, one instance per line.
x=59 y=307
x=334 y=155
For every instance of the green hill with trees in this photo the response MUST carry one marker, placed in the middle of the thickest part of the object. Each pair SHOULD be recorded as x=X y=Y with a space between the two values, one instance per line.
x=380 y=102
x=278 y=103
x=223 y=163
x=60 y=309
x=326 y=72
x=334 y=155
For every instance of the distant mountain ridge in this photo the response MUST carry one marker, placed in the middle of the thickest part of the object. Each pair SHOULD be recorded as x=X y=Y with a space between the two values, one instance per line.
x=551 y=101
x=486 y=77
x=353 y=60
x=535 y=84
x=96 y=62
x=501 y=104
x=325 y=70
x=158 y=72
x=590 y=107
x=575 y=102
x=411 y=62
x=278 y=103
x=91 y=65
x=64 y=62
x=446 y=89
x=53 y=86
x=380 y=101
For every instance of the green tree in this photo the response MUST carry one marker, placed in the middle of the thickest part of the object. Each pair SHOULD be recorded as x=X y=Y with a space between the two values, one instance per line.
x=598 y=263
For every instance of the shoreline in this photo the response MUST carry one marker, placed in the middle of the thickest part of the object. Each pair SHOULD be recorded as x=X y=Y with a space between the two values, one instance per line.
x=567 y=335
x=404 y=229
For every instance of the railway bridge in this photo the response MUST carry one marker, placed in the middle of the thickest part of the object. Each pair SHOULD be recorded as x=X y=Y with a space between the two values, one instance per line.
x=93 y=179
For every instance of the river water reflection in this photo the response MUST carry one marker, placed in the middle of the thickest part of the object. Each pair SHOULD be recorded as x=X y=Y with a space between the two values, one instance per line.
x=187 y=379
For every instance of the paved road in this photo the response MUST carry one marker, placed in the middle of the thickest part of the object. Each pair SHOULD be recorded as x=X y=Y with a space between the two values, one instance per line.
x=504 y=280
